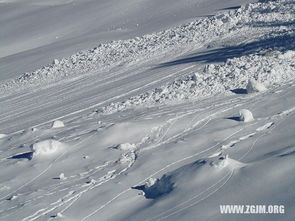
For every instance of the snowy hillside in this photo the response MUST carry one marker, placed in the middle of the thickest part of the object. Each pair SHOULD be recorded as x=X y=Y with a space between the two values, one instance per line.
x=146 y=110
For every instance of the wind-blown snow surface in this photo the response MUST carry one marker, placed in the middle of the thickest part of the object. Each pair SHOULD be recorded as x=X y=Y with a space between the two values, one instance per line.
x=149 y=128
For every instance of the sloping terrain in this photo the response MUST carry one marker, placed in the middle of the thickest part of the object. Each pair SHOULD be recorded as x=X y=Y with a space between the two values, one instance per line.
x=34 y=32
x=150 y=127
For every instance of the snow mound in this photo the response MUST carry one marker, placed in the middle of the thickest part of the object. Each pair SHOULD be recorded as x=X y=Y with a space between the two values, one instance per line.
x=2 y=136
x=46 y=148
x=57 y=124
x=246 y=115
x=254 y=86
x=126 y=146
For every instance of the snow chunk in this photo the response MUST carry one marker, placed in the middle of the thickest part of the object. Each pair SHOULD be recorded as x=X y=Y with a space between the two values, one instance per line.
x=55 y=61
x=128 y=158
x=13 y=197
x=57 y=124
x=155 y=188
x=246 y=115
x=46 y=147
x=3 y=136
x=287 y=55
x=254 y=86
x=62 y=176
x=34 y=129
x=126 y=146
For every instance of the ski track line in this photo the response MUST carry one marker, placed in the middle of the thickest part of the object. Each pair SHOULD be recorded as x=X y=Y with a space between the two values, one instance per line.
x=183 y=159
x=155 y=173
x=200 y=200
x=231 y=173
x=189 y=200
x=33 y=179
x=264 y=134
x=72 y=86
x=188 y=129
x=179 y=210
x=107 y=177
x=40 y=174
x=53 y=187
x=109 y=99
x=77 y=80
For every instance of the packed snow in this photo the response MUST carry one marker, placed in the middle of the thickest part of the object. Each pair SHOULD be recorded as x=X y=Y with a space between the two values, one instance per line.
x=178 y=107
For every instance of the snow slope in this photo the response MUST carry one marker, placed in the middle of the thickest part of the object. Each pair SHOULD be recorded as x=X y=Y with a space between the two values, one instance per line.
x=59 y=28
x=149 y=128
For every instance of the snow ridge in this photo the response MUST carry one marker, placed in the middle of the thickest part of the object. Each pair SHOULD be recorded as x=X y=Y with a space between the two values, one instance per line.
x=196 y=33
x=274 y=69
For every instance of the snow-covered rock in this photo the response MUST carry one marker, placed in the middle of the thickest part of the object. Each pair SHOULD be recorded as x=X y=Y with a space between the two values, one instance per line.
x=57 y=124
x=254 y=86
x=246 y=115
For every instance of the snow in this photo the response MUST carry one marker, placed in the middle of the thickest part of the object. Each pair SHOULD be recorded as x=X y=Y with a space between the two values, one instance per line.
x=140 y=110
x=57 y=124
x=46 y=148
x=246 y=116
x=125 y=146
x=34 y=32
x=254 y=86
x=62 y=176
x=2 y=136
x=194 y=34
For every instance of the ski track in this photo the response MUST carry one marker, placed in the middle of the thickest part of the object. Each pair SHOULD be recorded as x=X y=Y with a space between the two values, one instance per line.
x=207 y=119
x=40 y=174
x=74 y=198
x=157 y=172
x=91 y=102
x=266 y=126
x=226 y=178
x=175 y=209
